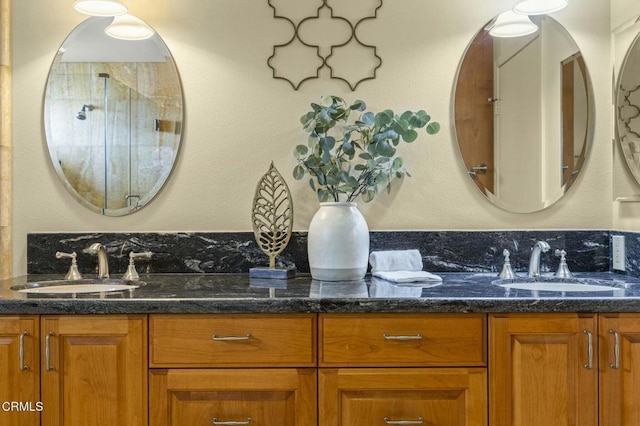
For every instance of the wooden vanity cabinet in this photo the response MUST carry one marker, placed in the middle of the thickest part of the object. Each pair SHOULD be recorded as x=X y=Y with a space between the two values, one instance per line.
x=94 y=370
x=233 y=369
x=263 y=397
x=19 y=370
x=83 y=370
x=543 y=369
x=403 y=396
x=434 y=369
x=619 y=336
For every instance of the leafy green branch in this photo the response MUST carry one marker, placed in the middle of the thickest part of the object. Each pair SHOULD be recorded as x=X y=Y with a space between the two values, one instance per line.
x=355 y=158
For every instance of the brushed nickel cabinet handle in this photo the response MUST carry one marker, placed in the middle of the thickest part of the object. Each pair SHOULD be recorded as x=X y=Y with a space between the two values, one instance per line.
x=47 y=352
x=616 y=350
x=413 y=337
x=230 y=339
x=419 y=421
x=589 y=364
x=215 y=421
x=23 y=367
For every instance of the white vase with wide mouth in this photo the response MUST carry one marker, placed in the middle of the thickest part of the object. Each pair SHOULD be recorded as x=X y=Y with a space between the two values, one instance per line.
x=338 y=243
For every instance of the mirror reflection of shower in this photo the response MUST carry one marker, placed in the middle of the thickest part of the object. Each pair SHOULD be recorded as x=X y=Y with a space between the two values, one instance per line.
x=115 y=158
x=82 y=115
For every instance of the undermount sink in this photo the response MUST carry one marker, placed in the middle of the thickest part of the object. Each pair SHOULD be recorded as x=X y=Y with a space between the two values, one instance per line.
x=558 y=284
x=77 y=286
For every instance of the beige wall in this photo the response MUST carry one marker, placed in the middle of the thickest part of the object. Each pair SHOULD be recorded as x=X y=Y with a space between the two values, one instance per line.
x=238 y=118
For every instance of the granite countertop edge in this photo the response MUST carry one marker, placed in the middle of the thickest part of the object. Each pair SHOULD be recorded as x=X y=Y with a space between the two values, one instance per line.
x=236 y=293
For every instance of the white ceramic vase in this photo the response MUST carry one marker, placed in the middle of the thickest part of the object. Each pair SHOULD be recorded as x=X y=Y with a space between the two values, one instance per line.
x=338 y=243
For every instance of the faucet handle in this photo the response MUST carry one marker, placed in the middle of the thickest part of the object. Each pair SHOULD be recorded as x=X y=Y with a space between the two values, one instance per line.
x=507 y=272
x=73 y=273
x=563 y=269
x=132 y=274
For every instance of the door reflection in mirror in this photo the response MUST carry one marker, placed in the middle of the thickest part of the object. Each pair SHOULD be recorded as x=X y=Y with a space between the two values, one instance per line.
x=523 y=108
x=103 y=102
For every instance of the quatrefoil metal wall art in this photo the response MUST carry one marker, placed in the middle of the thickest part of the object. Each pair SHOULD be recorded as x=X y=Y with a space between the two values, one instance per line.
x=629 y=111
x=299 y=56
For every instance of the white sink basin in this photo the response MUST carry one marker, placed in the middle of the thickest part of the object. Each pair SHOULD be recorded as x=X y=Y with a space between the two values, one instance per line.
x=560 y=285
x=557 y=286
x=79 y=286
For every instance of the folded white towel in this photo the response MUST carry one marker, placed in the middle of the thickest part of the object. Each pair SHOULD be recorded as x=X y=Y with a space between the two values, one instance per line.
x=408 y=276
x=395 y=260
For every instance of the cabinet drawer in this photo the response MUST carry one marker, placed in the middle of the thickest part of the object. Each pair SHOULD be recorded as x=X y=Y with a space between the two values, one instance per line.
x=388 y=340
x=259 y=397
x=403 y=396
x=232 y=340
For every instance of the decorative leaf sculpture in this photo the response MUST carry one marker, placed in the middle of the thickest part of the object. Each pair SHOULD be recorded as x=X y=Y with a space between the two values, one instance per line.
x=272 y=215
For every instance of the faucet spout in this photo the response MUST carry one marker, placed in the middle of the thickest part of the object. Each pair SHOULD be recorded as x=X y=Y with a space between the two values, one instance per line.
x=534 y=262
x=103 y=263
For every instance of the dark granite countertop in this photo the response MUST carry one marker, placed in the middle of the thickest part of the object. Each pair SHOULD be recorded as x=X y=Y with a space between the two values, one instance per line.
x=237 y=293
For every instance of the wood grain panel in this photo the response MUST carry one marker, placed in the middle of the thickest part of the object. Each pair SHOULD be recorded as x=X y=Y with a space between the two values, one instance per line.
x=269 y=397
x=537 y=370
x=374 y=396
x=445 y=340
x=18 y=385
x=265 y=340
x=99 y=373
x=619 y=387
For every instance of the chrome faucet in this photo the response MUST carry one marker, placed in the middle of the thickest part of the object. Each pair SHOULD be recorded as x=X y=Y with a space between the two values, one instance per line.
x=534 y=261
x=103 y=262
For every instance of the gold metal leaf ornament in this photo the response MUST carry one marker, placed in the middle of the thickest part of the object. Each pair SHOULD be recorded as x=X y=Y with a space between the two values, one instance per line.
x=272 y=215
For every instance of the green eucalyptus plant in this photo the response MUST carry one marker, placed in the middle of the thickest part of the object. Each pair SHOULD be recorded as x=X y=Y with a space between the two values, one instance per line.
x=347 y=159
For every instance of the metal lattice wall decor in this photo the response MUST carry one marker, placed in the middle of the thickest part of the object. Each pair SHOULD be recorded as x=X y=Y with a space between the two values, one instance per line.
x=629 y=126
x=629 y=111
x=285 y=72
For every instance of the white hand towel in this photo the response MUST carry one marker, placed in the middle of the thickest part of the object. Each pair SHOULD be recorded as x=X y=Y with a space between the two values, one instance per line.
x=407 y=276
x=395 y=260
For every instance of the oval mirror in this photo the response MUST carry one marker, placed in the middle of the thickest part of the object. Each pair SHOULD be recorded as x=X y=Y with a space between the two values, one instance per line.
x=523 y=113
x=628 y=108
x=113 y=117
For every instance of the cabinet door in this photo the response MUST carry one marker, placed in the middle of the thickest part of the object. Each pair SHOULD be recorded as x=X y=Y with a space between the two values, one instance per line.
x=403 y=396
x=259 y=397
x=543 y=370
x=94 y=370
x=19 y=371
x=619 y=369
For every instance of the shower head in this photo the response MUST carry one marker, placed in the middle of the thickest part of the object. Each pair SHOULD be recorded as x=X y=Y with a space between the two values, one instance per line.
x=82 y=114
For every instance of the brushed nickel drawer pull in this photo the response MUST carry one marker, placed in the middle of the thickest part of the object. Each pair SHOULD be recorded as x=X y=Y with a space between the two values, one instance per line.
x=419 y=421
x=47 y=352
x=414 y=337
x=230 y=339
x=589 y=364
x=23 y=367
x=616 y=350
x=215 y=421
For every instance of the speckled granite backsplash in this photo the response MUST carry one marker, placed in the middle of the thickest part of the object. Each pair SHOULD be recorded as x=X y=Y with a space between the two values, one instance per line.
x=236 y=252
